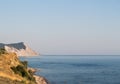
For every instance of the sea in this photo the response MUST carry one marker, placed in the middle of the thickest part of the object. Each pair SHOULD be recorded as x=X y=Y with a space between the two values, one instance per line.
x=77 y=69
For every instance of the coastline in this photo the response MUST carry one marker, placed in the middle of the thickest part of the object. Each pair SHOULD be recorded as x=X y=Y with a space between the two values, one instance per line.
x=15 y=71
x=38 y=79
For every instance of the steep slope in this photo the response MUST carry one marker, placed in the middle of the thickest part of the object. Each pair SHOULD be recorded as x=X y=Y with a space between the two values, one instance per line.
x=21 y=49
x=14 y=71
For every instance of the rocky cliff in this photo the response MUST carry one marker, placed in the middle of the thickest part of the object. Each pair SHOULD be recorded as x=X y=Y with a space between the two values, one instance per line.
x=21 y=49
x=14 y=71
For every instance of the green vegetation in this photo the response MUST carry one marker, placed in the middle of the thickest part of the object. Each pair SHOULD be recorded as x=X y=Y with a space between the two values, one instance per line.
x=13 y=70
x=25 y=63
x=2 y=51
x=21 y=70
x=31 y=72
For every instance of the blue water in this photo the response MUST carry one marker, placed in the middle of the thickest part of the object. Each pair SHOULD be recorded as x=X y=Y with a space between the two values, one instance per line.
x=77 y=69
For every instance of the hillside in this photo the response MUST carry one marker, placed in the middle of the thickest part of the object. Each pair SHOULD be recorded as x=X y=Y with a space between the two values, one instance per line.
x=21 y=49
x=14 y=71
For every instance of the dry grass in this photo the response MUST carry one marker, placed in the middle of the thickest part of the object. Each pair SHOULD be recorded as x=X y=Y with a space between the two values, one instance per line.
x=9 y=60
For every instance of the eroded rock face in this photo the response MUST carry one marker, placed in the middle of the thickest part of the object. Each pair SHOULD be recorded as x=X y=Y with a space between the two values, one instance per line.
x=21 y=49
x=40 y=80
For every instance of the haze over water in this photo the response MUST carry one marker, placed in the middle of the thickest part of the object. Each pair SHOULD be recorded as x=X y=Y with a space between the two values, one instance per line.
x=58 y=27
x=69 y=27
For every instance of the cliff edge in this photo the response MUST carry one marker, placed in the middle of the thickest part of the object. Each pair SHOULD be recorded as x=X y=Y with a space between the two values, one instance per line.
x=21 y=49
x=14 y=71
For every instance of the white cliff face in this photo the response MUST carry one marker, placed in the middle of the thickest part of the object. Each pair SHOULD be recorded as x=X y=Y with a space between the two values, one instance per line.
x=21 y=49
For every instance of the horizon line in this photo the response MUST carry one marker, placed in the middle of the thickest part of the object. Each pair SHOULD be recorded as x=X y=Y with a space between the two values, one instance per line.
x=79 y=55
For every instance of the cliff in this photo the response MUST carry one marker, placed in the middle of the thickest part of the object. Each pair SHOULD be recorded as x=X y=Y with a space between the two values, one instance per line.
x=21 y=49
x=14 y=71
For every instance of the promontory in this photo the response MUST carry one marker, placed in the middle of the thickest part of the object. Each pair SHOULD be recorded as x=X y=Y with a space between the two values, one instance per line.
x=14 y=71
x=21 y=49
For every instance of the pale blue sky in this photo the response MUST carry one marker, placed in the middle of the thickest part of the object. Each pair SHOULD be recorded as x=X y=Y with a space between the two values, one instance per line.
x=62 y=26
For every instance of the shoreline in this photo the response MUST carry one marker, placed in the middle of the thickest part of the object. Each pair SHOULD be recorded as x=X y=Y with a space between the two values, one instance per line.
x=38 y=79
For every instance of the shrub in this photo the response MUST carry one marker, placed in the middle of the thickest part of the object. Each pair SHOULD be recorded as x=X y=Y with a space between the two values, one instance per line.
x=2 y=51
x=31 y=72
x=21 y=70
x=25 y=63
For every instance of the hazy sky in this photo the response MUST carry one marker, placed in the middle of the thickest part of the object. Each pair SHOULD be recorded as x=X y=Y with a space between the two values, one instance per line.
x=62 y=26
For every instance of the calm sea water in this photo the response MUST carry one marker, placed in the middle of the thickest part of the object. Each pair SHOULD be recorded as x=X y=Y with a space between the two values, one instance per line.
x=77 y=69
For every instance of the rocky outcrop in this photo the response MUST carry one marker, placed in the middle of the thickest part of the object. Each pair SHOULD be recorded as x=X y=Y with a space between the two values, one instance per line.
x=14 y=71
x=21 y=49
x=40 y=80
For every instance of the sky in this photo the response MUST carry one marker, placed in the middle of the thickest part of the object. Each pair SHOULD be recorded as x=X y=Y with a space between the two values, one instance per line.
x=62 y=27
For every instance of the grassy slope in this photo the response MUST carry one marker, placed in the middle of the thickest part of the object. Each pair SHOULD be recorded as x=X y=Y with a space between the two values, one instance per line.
x=13 y=71
x=8 y=81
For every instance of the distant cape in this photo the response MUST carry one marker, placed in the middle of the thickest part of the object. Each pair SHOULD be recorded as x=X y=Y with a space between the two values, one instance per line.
x=21 y=49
